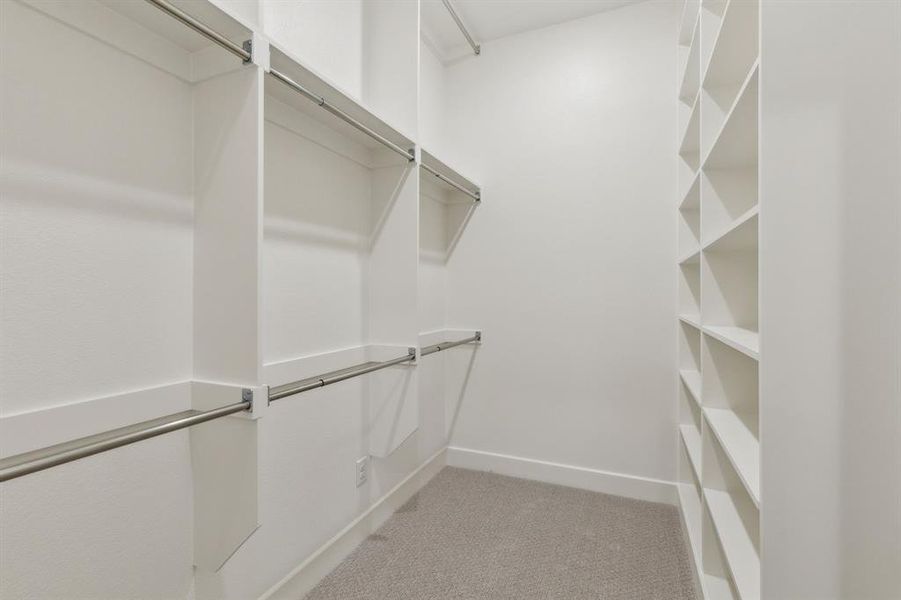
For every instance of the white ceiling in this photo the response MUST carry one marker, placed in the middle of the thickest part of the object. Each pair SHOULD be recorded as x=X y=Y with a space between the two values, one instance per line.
x=492 y=19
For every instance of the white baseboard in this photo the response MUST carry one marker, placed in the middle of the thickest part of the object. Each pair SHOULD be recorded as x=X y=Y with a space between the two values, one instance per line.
x=307 y=574
x=617 y=484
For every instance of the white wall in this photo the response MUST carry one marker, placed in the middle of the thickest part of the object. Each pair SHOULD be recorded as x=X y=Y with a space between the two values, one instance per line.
x=326 y=35
x=96 y=291
x=567 y=265
x=431 y=100
x=830 y=270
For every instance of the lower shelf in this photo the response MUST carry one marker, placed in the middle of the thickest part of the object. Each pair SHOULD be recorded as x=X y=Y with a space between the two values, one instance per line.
x=692 y=440
x=738 y=547
x=692 y=380
x=717 y=588
x=737 y=435
x=741 y=339
x=691 y=512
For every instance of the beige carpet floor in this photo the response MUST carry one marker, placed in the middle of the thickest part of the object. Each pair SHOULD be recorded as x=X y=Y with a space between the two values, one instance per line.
x=469 y=535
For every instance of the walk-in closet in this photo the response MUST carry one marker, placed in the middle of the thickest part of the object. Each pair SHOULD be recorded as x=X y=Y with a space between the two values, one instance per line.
x=450 y=299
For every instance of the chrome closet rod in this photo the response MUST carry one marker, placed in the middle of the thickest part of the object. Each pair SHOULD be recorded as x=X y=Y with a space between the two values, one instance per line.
x=58 y=454
x=318 y=381
x=341 y=114
x=445 y=345
x=475 y=47
x=202 y=29
x=477 y=196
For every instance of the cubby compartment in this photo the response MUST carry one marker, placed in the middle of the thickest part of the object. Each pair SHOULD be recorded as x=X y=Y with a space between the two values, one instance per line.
x=735 y=46
x=729 y=123
x=126 y=141
x=689 y=490
x=690 y=222
x=367 y=50
x=729 y=271
x=689 y=349
x=734 y=517
x=715 y=577
x=689 y=155
x=687 y=22
x=690 y=292
x=689 y=115
x=690 y=421
x=711 y=18
x=730 y=199
x=691 y=73
x=731 y=408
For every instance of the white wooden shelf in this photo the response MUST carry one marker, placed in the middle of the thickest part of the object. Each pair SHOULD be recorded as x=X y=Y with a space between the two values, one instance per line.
x=285 y=63
x=693 y=256
x=740 y=234
x=692 y=380
x=717 y=588
x=744 y=340
x=693 y=320
x=691 y=200
x=691 y=438
x=738 y=435
x=729 y=195
x=738 y=547
x=448 y=180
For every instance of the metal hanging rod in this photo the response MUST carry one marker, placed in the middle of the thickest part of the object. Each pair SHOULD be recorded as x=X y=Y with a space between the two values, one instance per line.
x=477 y=337
x=318 y=381
x=408 y=154
x=477 y=196
x=477 y=48
x=202 y=29
x=58 y=454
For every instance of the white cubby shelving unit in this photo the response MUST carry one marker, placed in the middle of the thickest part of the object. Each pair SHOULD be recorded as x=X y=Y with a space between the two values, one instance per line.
x=717 y=304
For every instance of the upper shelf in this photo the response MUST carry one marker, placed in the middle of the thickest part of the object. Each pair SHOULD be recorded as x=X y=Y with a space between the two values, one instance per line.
x=302 y=88
x=735 y=145
x=744 y=340
x=691 y=77
x=153 y=16
x=163 y=34
x=711 y=18
x=736 y=46
x=687 y=23
x=740 y=234
x=456 y=188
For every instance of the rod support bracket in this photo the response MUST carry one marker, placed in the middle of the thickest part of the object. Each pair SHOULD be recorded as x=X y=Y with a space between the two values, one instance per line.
x=258 y=397
x=478 y=337
x=247 y=45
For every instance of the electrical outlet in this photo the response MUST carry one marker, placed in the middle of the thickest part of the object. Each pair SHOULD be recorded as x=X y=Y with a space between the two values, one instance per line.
x=362 y=471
